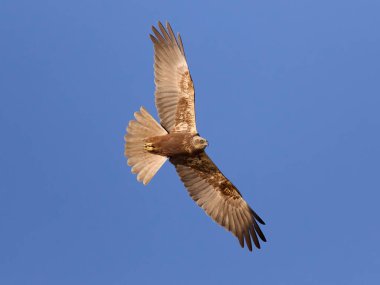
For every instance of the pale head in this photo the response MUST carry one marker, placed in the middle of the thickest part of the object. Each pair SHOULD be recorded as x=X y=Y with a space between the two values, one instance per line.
x=199 y=143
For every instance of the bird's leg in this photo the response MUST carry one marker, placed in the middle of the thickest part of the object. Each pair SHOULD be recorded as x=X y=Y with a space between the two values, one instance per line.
x=149 y=146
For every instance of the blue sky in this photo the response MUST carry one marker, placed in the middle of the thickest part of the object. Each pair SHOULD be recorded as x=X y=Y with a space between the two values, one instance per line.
x=287 y=94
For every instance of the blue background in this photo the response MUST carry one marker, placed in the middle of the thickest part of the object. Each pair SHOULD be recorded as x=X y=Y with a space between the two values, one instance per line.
x=288 y=96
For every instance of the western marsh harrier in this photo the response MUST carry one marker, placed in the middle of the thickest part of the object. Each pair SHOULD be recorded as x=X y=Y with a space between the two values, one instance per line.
x=149 y=143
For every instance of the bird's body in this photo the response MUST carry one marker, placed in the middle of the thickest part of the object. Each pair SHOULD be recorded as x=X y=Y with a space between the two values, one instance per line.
x=173 y=144
x=149 y=143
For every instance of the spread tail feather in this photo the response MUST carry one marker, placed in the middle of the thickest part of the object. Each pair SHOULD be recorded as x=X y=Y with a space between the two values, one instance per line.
x=143 y=163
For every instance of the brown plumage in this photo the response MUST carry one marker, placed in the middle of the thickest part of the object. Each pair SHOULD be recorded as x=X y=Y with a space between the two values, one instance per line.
x=149 y=144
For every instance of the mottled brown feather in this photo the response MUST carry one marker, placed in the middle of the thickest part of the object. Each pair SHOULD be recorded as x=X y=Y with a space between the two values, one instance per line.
x=174 y=87
x=220 y=199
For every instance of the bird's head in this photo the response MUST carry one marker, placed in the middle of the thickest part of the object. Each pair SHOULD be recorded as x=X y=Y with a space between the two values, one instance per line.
x=199 y=143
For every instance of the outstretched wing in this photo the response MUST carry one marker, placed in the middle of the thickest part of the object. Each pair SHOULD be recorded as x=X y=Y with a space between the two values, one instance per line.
x=174 y=86
x=220 y=199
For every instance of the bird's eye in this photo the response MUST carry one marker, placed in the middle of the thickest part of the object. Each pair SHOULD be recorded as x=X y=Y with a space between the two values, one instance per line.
x=202 y=141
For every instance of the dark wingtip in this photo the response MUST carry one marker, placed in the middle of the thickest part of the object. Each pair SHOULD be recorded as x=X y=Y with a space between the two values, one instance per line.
x=254 y=237
x=168 y=26
x=161 y=26
x=154 y=29
x=261 y=221
x=241 y=241
x=153 y=38
x=257 y=217
x=248 y=240
x=258 y=231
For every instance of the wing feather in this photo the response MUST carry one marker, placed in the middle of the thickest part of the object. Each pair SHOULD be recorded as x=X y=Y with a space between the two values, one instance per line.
x=174 y=87
x=219 y=198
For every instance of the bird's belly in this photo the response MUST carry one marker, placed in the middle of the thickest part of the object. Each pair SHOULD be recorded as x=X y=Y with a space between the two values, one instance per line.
x=170 y=144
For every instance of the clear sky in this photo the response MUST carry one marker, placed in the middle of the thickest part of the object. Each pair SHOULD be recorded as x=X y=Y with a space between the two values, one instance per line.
x=287 y=94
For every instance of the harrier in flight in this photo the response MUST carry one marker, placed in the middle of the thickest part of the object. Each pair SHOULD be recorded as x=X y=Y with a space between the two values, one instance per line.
x=149 y=143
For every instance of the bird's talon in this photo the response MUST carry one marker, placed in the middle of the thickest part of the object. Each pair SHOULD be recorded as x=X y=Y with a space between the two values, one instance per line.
x=148 y=147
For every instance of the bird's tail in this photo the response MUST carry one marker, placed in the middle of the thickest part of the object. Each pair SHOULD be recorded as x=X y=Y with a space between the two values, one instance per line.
x=143 y=163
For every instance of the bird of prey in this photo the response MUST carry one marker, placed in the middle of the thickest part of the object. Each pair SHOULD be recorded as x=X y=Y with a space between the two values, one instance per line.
x=148 y=144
